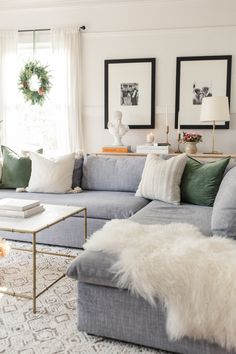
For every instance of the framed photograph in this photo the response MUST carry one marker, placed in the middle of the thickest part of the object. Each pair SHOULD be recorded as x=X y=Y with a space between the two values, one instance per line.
x=130 y=88
x=196 y=78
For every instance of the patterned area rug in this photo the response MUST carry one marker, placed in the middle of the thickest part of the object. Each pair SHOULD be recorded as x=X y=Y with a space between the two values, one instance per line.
x=53 y=328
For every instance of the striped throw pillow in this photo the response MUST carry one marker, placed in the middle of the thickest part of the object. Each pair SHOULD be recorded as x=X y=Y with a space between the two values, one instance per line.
x=161 y=178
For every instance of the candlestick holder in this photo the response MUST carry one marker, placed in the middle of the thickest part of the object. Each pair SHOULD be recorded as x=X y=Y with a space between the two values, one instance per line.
x=167 y=134
x=178 y=140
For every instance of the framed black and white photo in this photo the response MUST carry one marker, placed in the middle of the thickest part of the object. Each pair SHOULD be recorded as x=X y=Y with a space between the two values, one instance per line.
x=130 y=88
x=196 y=78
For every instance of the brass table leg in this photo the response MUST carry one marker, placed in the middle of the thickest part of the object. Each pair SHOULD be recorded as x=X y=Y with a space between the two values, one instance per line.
x=34 y=271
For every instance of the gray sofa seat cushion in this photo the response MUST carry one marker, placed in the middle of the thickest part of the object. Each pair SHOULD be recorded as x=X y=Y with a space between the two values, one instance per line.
x=158 y=212
x=100 y=204
x=224 y=210
x=93 y=268
x=112 y=173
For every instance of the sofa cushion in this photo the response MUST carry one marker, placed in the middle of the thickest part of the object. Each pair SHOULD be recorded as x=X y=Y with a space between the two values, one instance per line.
x=158 y=212
x=101 y=204
x=201 y=181
x=161 y=178
x=77 y=172
x=112 y=173
x=94 y=268
x=224 y=211
x=16 y=170
x=51 y=175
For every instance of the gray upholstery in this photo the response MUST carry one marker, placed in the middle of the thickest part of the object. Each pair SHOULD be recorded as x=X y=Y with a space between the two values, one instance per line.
x=224 y=210
x=101 y=204
x=158 y=212
x=111 y=173
x=77 y=173
x=94 y=268
x=115 y=313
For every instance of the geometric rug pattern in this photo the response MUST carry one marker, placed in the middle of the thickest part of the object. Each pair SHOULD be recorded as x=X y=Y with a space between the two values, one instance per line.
x=53 y=328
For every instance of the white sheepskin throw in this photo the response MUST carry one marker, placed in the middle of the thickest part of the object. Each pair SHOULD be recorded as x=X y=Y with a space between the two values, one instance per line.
x=192 y=275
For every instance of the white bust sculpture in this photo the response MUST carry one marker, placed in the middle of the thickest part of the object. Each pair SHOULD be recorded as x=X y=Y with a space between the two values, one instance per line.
x=117 y=129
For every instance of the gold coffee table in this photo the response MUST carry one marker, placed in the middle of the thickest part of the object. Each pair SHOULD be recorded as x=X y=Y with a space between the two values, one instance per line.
x=52 y=215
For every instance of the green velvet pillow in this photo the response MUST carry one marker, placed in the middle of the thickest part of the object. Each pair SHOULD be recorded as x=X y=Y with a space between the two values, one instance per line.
x=201 y=181
x=16 y=170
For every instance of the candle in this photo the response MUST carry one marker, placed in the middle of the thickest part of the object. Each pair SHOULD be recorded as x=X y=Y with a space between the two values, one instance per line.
x=166 y=116
x=150 y=138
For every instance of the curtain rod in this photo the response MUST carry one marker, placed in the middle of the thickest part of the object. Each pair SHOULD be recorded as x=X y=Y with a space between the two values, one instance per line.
x=83 y=28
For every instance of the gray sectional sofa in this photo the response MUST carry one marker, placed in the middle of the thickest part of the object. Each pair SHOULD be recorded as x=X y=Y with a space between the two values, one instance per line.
x=105 y=310
x=109 y=186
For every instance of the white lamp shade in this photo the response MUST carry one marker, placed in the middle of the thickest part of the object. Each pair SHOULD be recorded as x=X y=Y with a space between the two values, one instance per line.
x=215 y=108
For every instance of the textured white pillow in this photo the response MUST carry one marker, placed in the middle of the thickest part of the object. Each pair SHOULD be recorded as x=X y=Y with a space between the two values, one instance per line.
x=51 y=175
x=161 y=178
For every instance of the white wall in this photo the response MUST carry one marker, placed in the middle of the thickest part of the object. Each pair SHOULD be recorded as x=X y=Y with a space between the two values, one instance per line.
x=165 y=45
x=161 y=29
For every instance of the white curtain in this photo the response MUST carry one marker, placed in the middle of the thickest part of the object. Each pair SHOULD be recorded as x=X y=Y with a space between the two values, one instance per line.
x=8 y=81
x=67 y=87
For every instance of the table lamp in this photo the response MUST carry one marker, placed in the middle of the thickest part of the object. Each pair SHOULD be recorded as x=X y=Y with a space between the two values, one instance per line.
x=215 y=109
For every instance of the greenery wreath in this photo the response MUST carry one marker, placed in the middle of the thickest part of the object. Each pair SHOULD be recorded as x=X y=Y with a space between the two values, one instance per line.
x=34 y=82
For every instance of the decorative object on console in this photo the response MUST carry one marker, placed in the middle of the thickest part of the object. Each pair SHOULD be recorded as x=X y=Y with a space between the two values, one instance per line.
x=34 y=82
x=196 y=78
x=121 y=149
x=178 y=137
x=117 y=129
x=201 y=181
x=215 y=109
x=51 y=175
x=153 y=149
x=191 y=140
x=16 y=170
x=167 y=127
x=130 y=87
x=161 y=178
x=150 y=138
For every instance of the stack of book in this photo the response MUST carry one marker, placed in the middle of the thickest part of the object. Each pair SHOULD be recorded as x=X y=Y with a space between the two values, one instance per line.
x=122 y=148
x=161 y=148
x=20 y=208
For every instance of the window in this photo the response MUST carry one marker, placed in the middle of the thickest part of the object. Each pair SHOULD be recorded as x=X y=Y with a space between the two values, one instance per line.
x=32 y=126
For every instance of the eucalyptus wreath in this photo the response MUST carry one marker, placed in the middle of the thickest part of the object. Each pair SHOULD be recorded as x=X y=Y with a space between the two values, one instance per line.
x=34 y=82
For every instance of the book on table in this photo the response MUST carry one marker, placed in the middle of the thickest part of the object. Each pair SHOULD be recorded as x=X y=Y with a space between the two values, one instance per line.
x=20 y=208
x=113 y=148
x=18 y=204
x=155 y=149
x=22 y=213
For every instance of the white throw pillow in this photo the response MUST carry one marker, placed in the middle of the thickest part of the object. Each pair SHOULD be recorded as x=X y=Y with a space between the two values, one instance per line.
x=161 y=178
x=51 y=175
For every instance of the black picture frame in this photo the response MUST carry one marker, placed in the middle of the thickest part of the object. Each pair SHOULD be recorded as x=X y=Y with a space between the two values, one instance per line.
x=226 y=87
x=150 y=101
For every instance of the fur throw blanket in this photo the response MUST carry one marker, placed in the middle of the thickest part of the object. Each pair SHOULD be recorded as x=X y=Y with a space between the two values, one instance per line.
x=4 y=248
x=192 y=275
